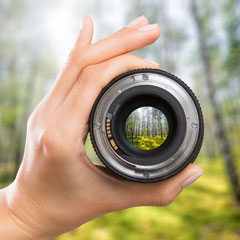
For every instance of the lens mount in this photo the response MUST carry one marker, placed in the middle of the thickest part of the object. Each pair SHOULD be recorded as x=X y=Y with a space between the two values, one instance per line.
x=141 y=88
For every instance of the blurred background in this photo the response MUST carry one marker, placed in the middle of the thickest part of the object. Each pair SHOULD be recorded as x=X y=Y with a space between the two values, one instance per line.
x=199 y=42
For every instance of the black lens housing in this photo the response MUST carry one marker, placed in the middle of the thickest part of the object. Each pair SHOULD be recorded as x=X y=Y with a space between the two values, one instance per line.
x=145 y=92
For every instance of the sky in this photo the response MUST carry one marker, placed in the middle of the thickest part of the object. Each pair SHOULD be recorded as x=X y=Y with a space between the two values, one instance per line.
x=63 y=22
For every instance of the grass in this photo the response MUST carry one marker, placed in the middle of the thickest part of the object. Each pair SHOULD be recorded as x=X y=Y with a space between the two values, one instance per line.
x=148 y=143
x=205 y=210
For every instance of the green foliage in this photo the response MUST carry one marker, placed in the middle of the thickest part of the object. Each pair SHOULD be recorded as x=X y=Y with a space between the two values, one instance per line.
x=205 y=210
x=148 y=143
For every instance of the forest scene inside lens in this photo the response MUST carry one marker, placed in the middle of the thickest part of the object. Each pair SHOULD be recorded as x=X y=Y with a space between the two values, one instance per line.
x=146 y=128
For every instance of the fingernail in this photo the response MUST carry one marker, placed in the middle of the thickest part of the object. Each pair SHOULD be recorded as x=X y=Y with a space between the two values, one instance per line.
x=151 y=61
x=136 y=21
x=148 y=27
x=191 y=180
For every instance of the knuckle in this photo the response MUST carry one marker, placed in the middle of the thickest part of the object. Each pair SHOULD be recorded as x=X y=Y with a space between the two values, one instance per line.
x=72 y=57
x=89 y=73
x=77 y=56
x=31 y=121
x=165 y=202
x=131 y=61
x=121 y=31
x=93 y=75
x=123 y=44
x=165 y=198
x=49 y=144
x=45 y=139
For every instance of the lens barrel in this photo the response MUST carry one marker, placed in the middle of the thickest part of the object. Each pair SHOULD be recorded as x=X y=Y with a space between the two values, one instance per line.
x=146 y=125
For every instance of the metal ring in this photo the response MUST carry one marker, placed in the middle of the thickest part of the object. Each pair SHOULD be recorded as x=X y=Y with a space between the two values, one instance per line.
x=136 y=171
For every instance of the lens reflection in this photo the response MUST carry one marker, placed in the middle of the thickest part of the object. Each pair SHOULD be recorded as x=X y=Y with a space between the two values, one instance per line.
x=146 y=128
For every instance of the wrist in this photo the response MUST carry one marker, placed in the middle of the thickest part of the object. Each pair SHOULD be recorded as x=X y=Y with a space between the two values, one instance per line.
x=11 y=226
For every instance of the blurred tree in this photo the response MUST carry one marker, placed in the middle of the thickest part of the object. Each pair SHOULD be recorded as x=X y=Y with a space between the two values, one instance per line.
x=167 y=48
x=201 y=23
x=26 y=65
x=230 y=83
x=232 y=27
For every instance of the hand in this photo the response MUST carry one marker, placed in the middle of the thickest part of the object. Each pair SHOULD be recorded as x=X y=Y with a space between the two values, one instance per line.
x=57 y=188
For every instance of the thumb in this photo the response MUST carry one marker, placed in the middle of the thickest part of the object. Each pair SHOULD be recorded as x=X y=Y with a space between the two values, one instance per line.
x=162 y=193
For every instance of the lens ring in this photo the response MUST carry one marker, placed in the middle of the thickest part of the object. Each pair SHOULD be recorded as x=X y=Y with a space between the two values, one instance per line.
x=190 y=146
x=140 y=96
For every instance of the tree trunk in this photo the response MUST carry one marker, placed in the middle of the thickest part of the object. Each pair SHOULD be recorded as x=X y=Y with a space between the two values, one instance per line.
x=148 y=123
x=160 y=126
x=222 y=137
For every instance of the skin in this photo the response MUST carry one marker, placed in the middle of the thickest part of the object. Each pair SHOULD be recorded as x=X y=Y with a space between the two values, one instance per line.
x=57 y=188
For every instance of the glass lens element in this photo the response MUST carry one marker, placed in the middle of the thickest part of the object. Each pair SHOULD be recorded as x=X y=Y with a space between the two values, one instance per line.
x=146 y=128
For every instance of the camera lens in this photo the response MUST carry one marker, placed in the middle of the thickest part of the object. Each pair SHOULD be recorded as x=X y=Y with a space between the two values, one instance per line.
x=146 y=128
x=146 y=125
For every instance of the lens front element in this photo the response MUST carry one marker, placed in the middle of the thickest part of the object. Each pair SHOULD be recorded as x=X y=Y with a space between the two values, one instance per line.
x=146 y=128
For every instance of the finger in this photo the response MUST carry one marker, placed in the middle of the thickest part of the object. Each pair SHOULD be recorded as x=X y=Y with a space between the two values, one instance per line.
x=136 y=23
x=86 y=32
x=95 y=77
x=87 y=26
x=116 y=45
x=161 y=193
x=98 y=52
x=84 y=38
